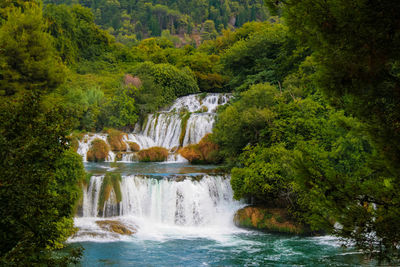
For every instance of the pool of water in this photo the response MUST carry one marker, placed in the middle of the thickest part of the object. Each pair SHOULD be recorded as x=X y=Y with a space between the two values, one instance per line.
x=248 y=248
x=159 y=242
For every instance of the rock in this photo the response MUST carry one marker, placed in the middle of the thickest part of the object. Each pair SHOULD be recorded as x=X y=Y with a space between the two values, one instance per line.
x=268 y=219
x=116 y=227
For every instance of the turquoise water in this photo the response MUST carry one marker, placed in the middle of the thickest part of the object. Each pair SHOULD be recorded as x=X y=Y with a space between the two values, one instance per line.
x=160 y=244
x=245 y=249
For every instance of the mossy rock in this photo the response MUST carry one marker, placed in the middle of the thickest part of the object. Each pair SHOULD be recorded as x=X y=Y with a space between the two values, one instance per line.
x=116 y=227
x=153 y=154
x=116 y=140
x=98 y=151
x=134 y=147
x=270 y=220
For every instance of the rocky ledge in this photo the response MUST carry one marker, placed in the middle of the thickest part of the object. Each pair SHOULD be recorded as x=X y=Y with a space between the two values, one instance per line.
x=268 y=219
x=116 y=227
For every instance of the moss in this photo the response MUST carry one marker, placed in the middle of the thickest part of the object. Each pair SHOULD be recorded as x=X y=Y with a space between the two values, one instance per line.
x=153 y=154
x=98 y=151
x=115 y=139
x=118 y=156
x=134 y=147
x=271 y=220
x=111 y=182
x=203 y=109
x=184 y=119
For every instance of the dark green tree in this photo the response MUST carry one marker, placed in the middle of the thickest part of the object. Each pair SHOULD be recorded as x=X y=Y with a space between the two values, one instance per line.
x=27 y=58
x=39 y=176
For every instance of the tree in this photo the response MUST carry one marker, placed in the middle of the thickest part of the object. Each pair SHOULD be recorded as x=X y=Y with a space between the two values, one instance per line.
x=27 y=59
x=354 y=45
x=38 y=174
x=38 y=182
x=267 y=55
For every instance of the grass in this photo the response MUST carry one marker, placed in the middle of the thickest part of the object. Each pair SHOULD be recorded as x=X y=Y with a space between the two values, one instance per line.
x=153 y=154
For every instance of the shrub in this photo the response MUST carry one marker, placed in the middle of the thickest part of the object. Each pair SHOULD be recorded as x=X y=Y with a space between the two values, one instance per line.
x=134 y=146
x=115 y=139
x=98 y=151
x=202 y=153
x=153 y=154
x=191 y=153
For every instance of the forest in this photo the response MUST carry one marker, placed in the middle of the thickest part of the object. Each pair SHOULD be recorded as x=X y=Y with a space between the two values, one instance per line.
x=313 y=126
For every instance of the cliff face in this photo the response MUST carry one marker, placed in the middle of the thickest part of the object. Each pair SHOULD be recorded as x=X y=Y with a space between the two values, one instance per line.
x=267 y=219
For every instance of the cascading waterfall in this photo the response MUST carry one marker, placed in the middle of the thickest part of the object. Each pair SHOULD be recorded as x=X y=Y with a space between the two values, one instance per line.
x=165 y=201
x=164 y=129
x=150 y=203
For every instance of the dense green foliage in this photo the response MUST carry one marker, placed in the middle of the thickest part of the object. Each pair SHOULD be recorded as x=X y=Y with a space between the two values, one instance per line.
x=27 y=57
x=354 y=44
x=312 y=128
x=333 y=171
x=164 y=83
x=76 y=35
x=131 y=20
x=39 y=182
x=39 y=175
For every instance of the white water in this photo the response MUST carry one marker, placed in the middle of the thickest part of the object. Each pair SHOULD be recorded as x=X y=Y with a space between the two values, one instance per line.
x=194 y=103
x=159 y=208
x=164 y=129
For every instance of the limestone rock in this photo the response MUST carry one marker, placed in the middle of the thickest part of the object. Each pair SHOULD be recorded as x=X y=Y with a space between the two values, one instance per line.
x=116 y=227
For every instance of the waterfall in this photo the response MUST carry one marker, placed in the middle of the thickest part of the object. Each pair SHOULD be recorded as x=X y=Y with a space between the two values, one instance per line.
x=164 y=129
x=197 y=127
x=186 y=203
